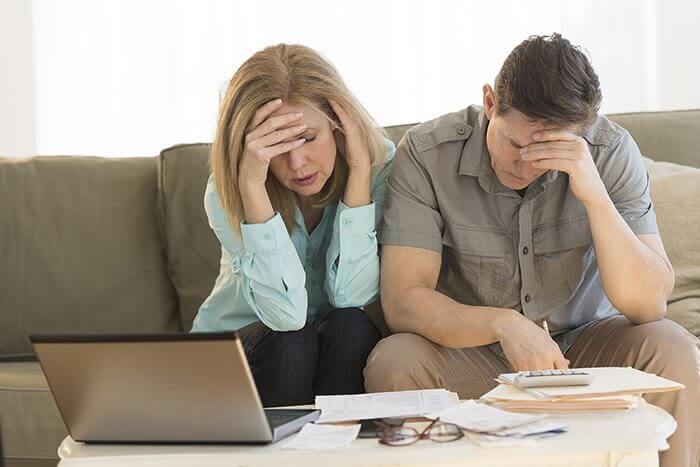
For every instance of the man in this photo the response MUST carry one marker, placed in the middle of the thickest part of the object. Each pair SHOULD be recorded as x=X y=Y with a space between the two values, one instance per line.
x=529 y=209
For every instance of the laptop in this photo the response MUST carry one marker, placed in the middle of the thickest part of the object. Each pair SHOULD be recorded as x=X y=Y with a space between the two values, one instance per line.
x=162 y=388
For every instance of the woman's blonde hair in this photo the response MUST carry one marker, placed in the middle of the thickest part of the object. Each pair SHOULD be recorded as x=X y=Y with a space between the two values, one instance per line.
x=297 y=75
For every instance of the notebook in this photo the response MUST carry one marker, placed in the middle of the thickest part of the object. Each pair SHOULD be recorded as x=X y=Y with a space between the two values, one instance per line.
x=608 y=381
x=612 y=389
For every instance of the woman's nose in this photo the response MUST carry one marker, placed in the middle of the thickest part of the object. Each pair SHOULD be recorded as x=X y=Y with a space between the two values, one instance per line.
x=297 y=158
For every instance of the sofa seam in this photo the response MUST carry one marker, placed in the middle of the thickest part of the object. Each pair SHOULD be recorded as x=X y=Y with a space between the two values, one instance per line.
x=2 y=388
x=162 y=208
x=652 y=112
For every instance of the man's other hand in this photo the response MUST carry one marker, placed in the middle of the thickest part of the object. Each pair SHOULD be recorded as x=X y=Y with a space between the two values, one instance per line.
x=529 y=347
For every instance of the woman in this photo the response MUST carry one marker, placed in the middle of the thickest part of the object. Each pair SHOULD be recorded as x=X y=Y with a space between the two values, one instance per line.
x=298 y=185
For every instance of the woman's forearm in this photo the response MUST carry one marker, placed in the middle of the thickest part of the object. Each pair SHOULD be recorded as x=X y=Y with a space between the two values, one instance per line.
x=357 y=189
x=256 y=204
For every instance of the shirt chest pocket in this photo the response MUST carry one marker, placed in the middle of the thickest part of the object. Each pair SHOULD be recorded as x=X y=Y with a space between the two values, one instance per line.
x=563 y=257
x=485 y=261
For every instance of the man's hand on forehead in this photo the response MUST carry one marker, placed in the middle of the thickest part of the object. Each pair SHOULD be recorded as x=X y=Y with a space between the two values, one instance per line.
x=560 y=134
x=565 y=151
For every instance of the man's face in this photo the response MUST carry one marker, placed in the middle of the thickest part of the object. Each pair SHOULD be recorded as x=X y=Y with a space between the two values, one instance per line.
x=505 y=135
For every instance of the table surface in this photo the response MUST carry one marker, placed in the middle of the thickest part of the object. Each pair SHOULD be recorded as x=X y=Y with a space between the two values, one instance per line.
x=594 y=439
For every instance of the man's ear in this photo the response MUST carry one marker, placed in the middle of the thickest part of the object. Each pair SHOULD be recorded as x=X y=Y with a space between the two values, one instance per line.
x=489 y=101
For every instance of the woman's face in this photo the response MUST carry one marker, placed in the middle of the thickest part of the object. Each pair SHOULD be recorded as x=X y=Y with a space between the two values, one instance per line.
x=306 y=169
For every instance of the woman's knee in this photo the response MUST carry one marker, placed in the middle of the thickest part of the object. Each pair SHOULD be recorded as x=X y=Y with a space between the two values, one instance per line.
x=301 y=344
x=284 y=366
x=350 y=327
x=266 y=348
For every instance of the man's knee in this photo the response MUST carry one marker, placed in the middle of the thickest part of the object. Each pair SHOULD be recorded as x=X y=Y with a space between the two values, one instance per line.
x=398 y=362
x=663 y=347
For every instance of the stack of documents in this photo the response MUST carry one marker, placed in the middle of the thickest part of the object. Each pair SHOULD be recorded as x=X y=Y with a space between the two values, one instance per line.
x=488 y=425
x=404 y=404
x=613 y=388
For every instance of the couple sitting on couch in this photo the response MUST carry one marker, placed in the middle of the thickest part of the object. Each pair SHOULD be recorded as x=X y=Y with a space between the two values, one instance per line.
x=494 y=220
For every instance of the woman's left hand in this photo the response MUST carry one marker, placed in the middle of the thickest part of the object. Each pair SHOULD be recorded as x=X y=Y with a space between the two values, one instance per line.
x=356 y=150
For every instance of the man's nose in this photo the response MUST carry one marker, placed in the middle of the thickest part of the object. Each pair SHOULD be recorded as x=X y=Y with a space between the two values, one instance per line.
x=526 y=170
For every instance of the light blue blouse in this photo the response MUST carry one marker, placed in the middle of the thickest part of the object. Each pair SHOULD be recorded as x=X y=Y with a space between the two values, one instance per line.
x=268 y=275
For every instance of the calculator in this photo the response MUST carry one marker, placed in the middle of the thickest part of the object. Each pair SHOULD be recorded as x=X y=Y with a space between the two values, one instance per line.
x=552 y=378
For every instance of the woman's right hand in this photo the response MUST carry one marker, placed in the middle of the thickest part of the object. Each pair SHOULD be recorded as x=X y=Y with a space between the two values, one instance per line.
x=263 y=141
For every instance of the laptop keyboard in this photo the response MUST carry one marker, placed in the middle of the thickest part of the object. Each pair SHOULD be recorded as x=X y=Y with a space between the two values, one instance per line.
x=279 y=417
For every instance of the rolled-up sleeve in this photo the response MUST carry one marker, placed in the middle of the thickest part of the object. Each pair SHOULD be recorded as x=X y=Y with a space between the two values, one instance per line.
x=352 y=259
x=627 y=182
x=411 y=215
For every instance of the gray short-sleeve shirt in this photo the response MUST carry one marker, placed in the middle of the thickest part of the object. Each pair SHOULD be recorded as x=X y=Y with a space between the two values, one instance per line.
x=532 y=253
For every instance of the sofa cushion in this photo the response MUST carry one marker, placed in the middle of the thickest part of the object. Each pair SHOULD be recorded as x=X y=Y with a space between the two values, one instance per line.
x=80 y=249
x=675 y=191
x=193 y=250
x=665 y=136
x=32 y=427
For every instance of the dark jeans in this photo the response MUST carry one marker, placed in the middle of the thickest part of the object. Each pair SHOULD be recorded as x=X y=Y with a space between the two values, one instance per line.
x=324 y=357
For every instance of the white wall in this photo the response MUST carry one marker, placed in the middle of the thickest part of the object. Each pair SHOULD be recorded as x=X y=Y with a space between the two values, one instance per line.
x=678 y=54
x=130 y=77
x=17 y=113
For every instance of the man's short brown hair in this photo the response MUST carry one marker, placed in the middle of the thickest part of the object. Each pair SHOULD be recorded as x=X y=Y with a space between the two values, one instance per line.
x=550 y=80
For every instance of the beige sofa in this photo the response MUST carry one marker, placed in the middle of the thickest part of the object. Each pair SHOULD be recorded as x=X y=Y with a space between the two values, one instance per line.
x=103 y=245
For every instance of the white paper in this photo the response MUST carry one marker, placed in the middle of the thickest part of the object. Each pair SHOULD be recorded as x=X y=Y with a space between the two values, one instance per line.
x=482 y=418
x=511 y=398
x=534 y=428
x=508 y=392
x=383 y=404
x=320 y=437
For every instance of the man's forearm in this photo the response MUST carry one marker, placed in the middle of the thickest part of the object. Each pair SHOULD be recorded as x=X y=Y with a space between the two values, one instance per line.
x=424 y=311
x=637 y=280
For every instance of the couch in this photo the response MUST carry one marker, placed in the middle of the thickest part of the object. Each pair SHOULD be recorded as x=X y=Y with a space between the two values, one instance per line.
x=119 y=245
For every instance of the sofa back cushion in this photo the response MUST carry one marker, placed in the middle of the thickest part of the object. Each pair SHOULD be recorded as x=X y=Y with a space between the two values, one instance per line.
x=193 y=250
x=80 y=249
x=662 y=136
x=665 y=136
x=675 y=191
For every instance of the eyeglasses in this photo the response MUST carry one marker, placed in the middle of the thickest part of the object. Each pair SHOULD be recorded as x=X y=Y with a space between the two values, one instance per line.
x=439 y=432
